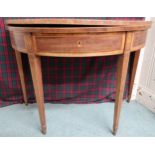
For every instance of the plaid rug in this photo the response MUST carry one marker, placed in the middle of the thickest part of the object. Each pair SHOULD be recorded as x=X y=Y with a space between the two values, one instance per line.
x=66 y=80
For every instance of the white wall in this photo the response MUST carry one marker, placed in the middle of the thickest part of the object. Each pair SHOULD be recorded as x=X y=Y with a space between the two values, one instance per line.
x=145 y=78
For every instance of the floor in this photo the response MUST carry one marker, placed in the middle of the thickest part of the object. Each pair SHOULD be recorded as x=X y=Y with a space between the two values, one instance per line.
x=80 y=120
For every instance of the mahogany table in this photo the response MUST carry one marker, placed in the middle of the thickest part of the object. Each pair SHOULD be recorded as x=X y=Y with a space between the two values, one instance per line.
x=76 y=38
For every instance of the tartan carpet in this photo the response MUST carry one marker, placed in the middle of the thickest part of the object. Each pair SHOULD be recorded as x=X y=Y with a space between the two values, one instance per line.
x=66 y=80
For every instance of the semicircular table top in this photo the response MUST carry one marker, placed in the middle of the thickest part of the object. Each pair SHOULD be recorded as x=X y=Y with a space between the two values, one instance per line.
x=105 y=25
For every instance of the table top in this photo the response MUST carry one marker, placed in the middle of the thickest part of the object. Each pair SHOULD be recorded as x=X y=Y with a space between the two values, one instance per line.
x=28 y=25
x=76 y=37
x=67 y=21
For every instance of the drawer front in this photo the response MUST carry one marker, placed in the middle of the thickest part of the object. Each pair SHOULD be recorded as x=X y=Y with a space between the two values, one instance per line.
x=139 y=38
x=80 y=43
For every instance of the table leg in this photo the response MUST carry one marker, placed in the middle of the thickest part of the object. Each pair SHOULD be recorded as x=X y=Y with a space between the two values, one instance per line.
x=133 y=73
x=35 y=65
x=122 y=67
x=21 y=75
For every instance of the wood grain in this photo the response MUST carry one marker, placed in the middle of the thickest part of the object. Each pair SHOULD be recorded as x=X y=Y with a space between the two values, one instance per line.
x=138 y=40
x=75 y=30
x=36 y=73
x=17 y=41
x=123 y=62
x=78 y=22
x=21 y=75
x=133 y=73
x=82 y=43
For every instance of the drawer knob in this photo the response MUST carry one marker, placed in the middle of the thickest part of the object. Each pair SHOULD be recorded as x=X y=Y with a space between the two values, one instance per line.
x=79 y=44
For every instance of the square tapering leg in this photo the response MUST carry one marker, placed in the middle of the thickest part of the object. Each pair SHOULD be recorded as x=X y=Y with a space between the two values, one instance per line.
x=35 y=65
x=123 y=61
x=133 y=73
x=21 y=75
x=122 y=68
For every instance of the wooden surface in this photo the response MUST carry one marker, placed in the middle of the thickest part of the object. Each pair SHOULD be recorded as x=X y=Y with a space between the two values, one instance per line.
x=122 y=67
x=21 y=75
x=77 y=38
x=79 y=45
x=67 y=21
x=35 y=66
x=82 y=43
x=69 y=29
x=133 y=73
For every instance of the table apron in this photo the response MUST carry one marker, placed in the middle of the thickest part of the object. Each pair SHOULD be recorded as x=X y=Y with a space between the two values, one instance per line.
x=75 y=45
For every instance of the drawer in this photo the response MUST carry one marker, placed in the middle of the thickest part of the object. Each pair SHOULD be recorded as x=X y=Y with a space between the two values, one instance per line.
x=80 y=43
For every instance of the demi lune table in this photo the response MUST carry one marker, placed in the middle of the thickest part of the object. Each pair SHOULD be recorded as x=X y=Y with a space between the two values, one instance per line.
x=76 y=38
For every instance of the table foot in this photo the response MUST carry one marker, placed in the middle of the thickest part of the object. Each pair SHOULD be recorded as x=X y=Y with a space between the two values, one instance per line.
x=114 y=131
x=26 y=103
x=128 y=100
x=43 y=130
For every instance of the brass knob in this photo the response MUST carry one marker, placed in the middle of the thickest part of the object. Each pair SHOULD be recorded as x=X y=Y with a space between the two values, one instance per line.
x=79 y=44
